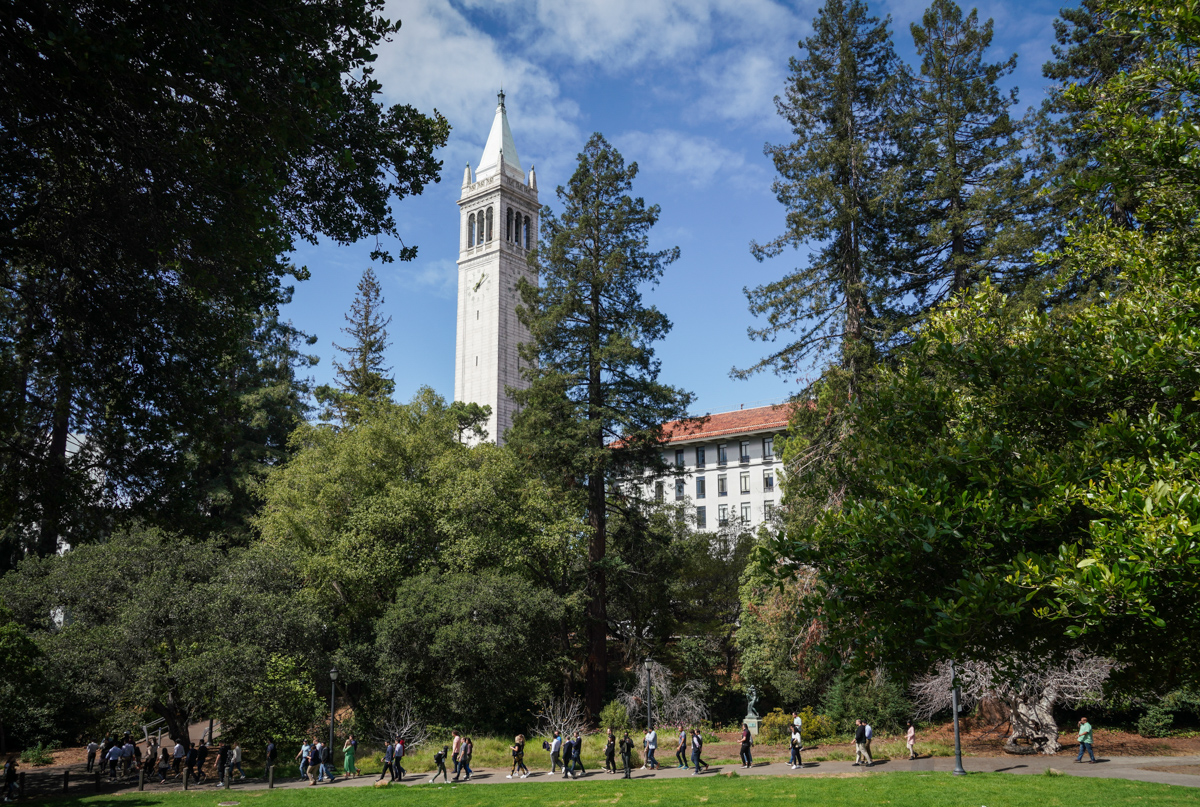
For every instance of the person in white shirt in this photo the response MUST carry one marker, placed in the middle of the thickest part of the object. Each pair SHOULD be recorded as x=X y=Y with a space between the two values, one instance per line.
x=177 y=755
x=92 y=747
x=651 y=746
x=556 y=752
x=870 y=734
x=114 y=759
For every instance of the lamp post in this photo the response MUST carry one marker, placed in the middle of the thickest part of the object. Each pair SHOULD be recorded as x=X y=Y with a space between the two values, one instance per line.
x=958 y=768
x=332 y=695
x=649 y=698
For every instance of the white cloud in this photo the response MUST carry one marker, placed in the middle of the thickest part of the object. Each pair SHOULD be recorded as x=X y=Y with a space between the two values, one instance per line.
x=694 y=159
x=436 y=277
x=439 y=59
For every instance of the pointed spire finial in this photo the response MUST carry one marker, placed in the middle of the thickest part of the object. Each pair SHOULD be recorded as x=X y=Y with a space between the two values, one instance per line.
x=500 y=97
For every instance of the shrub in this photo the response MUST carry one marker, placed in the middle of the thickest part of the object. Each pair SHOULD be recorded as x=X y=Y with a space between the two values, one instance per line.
x=614 y=716
x=815 y=726
x=777 y=726
x=37 y=755
x=879 y=702
x=774 y=727
x=1155 y=723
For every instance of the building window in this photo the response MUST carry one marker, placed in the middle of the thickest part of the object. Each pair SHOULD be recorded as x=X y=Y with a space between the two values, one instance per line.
x=699 y=487
x=701 y=518
x=679 y=458
x=745 y=449
x=699 y=457
x=527 y=232
x=722 y=457
x=745 y=482
x=658 y=491
x=722 y=485
x=471 y=230
x=722 y=515
x=768 y=448
x=768 y=480
x=508 y=227
x=768 y=509
x=489 y=224
x=745 y=512
x=679 y=489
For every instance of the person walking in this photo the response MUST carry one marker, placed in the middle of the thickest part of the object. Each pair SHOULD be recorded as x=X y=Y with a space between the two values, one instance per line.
x=697 y=750
x=796 y=741
x=910 y=740
x=397 y=760
x=566 y=750
x=113 y=759
x=681 y=748
x=468 y=749
x=651 y=744
x=10 y=778
x=388 y=751
x=797 y=723
x=1085 y=740
x=326 y=761
x=222 y=761
x=164 y=767
x=127 y=757
x=271 y=755
x=314 y=761
x=556 y=753
x=577 y=768
x=454 y=749
x=178 y=754
x=610 y=751
x=439 y=759
x=92 y=748
x=626 y=753
x=235 y=761
x=349 y=766
x=302 y=756
x=518 y=755
x=862 y=752
x=870 y=737
x=746 y=742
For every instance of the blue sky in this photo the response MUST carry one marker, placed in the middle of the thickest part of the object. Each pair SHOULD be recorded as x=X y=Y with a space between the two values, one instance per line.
x=683 y=87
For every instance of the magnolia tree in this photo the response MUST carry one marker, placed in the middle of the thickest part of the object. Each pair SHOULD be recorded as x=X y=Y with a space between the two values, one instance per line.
x=1028 y=694
x=683 y=703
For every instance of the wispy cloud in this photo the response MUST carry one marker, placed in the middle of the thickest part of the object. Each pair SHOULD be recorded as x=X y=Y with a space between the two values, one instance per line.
x=695 y=160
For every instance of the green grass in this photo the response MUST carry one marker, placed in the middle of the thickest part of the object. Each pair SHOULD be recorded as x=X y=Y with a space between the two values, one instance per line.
x=894 y=789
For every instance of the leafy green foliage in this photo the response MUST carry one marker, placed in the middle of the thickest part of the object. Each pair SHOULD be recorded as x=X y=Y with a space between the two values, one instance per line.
x=468 y=649
x=363 y=379
x=1156 y=722
x=157 y=169
x=614 y=716
x=19 y=686
x=282 y=704
x=881 y=703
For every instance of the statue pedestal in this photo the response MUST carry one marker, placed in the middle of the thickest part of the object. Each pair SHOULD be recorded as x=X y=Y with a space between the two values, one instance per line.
x=752 y=724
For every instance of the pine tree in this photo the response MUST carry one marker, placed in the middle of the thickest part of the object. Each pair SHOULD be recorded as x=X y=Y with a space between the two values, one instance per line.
x=835 y=180
x=970 y=207
x=363 y=379
x=594 y=409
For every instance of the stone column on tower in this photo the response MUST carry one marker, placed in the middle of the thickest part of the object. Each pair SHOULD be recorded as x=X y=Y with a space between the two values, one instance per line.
x=498 y=212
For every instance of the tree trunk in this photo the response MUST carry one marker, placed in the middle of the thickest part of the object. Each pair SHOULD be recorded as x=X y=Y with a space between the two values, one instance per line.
x=1033 y=722
x=56 y=475
x=596 y=664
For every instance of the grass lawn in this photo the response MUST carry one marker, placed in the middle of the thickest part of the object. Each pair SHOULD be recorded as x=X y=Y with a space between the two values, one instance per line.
x=896 y=789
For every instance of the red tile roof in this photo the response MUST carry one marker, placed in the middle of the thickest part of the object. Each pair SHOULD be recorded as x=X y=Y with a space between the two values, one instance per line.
x=760 y=418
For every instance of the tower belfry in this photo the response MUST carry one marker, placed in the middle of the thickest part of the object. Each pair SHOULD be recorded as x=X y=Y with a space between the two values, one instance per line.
x=498 y=211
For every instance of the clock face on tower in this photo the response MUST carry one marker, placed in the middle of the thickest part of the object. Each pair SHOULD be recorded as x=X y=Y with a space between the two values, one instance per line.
x=479 y=282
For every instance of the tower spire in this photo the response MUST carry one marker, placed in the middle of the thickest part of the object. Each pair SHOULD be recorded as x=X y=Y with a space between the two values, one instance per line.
x=500 y=146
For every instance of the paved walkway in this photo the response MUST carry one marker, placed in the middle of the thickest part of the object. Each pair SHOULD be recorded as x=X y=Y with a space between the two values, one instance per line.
x=1106 y=767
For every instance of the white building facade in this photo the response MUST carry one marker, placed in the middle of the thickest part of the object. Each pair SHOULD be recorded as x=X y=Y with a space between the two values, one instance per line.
x=729 y=469
x=498 y=211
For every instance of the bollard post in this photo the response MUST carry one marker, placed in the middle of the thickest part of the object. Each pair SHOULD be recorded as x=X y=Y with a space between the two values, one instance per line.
x=185 y=779
x=66 y=779
x=270 y=776
x=141 y=778
x=228 y=776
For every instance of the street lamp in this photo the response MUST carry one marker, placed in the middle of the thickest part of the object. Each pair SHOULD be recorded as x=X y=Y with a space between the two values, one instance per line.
x=958 y=768
x=649 y=698
x=333 y=694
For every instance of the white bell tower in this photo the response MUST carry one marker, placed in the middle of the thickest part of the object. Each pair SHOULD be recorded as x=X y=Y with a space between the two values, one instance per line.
x=498 y=222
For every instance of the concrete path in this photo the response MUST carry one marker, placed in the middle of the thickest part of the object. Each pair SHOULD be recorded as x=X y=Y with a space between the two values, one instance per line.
x=1106 y=767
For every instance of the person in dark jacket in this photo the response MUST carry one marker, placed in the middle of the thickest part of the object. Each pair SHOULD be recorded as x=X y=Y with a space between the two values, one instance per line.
x=626 y=753
x=862 y=752
x=610 y=751
x=439 y=759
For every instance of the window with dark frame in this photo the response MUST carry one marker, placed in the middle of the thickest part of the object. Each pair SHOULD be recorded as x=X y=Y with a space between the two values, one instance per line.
x=658 y=491
x=700 y=487
x=701 y=518
x=768 y=480
x=722 y=515
x=679 y=458
x=699 y=457
x=745 y=451
x=768 y=448
x=722 y=454
x=679 y=489
x=745 y=482
x=722 y=485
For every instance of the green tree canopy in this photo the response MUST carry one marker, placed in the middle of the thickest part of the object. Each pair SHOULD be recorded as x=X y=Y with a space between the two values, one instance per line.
x=363 y=378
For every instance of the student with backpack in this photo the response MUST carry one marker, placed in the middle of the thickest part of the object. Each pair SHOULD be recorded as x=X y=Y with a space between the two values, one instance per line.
x=518 y=754
x=439 y=759
x=697 y=749
x=577 y=768
x=556 y=746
